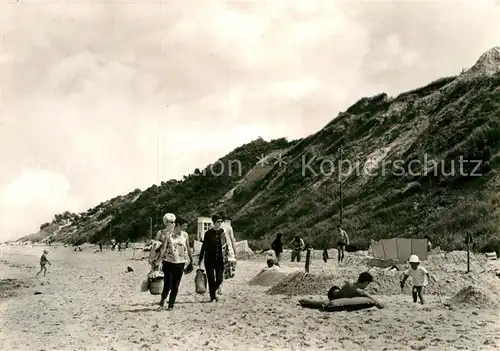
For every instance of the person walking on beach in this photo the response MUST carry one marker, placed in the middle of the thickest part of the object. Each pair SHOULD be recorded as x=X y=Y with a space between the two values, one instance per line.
x=212 y=255
x=297 y=247
x=419 y=276
x=43 y=263
x=175 y=253
x=277 y=246
x=100 y=246
x=342 y=243
x=155 y=257
x=229 y=250
x=429 y=244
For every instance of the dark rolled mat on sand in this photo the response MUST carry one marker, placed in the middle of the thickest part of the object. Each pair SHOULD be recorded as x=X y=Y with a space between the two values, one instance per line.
x=337 y=305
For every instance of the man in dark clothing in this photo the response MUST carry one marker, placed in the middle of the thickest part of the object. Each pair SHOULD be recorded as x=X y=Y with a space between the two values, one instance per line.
x=277 y=246
x=297 y=246
x=211 y=252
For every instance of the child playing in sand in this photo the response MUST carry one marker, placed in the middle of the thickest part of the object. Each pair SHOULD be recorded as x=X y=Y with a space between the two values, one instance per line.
x=272 y=263
x=354 y=289
x=419 y=276
x=43 y=262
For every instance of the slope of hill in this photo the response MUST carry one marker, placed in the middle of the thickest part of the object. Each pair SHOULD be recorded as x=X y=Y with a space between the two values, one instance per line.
x=200 y=193
x=423 y=163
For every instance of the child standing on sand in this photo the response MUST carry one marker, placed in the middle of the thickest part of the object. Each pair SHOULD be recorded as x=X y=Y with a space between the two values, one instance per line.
x=419 y=276
x=43 y=263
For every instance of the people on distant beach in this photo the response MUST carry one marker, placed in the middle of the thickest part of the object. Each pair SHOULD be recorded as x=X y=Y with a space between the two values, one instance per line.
x=419 y=276
x=277 y=246
x=429 y=244
x=325 y=254
x=229 y=250
x=354 y=289
x=297 y=248
x=100 y=246
x=43 y=263
x=212 y=255
x=342 y=243
x=175 y=253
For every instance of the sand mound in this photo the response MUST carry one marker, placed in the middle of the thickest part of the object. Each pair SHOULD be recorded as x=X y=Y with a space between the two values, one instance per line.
x=474 y=296
x=301 y=283
x=270 y=276
x=386 y=282
x=454 y=257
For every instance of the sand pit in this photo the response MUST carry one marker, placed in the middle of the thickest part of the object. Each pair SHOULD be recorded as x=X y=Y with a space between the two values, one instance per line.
x=474 y=296
x=271 y=276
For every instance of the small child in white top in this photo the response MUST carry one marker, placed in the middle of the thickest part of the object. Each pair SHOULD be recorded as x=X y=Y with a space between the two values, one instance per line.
x=420 y=277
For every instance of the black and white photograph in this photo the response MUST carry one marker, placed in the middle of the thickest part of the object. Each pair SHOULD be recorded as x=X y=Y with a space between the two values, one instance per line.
x=249 y=175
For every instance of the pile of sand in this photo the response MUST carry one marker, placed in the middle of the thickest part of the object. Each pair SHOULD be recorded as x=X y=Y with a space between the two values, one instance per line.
x=455 y=257
x=301 y=283
x=271 y=276
x=474 y=296
x=386 y=282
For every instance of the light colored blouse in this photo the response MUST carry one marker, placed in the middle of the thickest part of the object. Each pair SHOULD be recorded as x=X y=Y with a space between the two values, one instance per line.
x=177 y=248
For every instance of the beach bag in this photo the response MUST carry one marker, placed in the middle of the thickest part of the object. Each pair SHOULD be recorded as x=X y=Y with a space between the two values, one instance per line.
x=200 y=282
x=155 y=280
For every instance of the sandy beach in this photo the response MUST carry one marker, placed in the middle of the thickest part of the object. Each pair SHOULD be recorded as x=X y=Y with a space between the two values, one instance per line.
x=89 y=301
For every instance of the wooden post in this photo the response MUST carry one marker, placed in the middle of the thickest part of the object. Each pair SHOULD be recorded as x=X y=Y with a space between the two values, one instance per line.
x=340 y=180
x=468 y=258
x=150 y=227
x=468 y=251
x=308 y=259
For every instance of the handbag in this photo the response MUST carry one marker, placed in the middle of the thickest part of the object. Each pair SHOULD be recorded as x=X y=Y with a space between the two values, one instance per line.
x=200 y=281
x=188 y=269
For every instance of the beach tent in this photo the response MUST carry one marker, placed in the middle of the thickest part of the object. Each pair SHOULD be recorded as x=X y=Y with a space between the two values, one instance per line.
x=399 y=249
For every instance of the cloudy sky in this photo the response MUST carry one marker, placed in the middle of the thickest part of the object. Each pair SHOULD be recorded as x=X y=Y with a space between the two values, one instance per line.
x=100 y=98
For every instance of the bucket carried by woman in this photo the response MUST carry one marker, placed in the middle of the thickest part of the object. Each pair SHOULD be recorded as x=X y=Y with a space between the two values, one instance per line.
x=155 y=282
